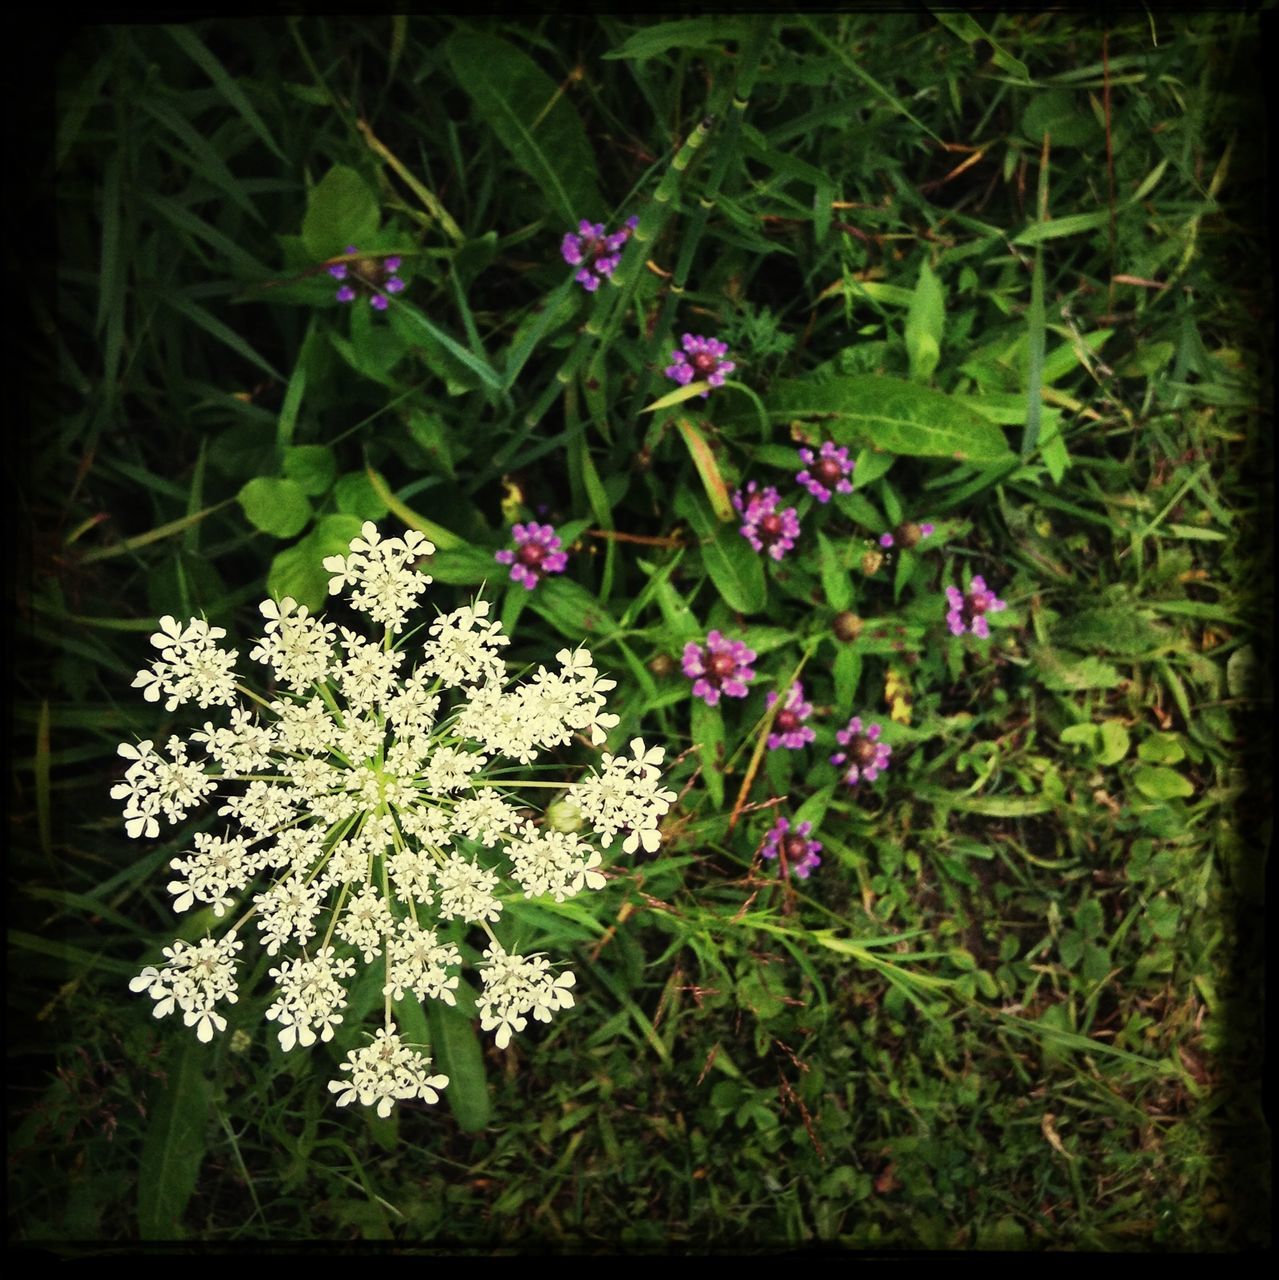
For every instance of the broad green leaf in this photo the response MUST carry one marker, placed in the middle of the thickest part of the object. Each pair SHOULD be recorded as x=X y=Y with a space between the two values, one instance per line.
x=925 y=322
x=1114 y=629
x=312 y=467
x=733 y=566
x=1157 y=782
x=533 y=120
x=1114 y=742
x=456 y=1050
x=1064 y=116
x=174 y=1147
x=1066 y=671
x=355 y=496
x=278 y=507
x=836 y=583
x=299 y=571
x=465 y=566
x=570 y=609
x=341 y=210
x=896 y=416
x=1161 y=748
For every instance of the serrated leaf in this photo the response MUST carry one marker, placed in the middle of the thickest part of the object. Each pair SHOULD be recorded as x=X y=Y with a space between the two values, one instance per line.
x=1157 y=782
x=533 y=120
x=312 y=467
x=277 y=507
x=1065 y=671
x=893 y=415
x=341 y=209
x=456 y=1050
x=174 y=1147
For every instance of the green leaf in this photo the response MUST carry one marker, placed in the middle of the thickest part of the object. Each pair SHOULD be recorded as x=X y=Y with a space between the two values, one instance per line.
x=278 y=507
x=571 y=609
x=707 y=468
x=968 y=29
x=893 y=415
x=1055 y=228
x=355 y=496
x=678 y=396
x=312 y=467
x=532 y=119
x=1118 y=630
x=1062 y=115
x=299 y=571
x=341 y=210
x=174 y=1147
x=707 y=727
x=1064 y=671
x=1161 y=748
x=1114 y=742
x=924 y=324
x=691 y=33
x=465 y=566
x=1157 y=782
x=733 y=566
x=456 y=1050
x=836 y=583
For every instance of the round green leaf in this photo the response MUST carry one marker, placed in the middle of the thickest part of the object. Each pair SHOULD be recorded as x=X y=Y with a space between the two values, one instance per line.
x=277 y=507
x=311 y=466
x=340 y=210
x=356 y=496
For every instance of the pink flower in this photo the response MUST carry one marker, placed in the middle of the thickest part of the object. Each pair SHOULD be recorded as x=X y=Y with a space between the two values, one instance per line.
x=797 y=851
x=596 y=253
x=865 y=754
x=968 y=610
x=537 y=551
x=763 y=526
x=721 y=666
x=826 y=471
x=701 y=358
x=789 y=728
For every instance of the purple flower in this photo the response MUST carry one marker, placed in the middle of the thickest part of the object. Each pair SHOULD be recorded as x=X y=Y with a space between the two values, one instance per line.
x=597 y=254
x=721 y=666
x=797 y=851
x=701 y=358
x=763 y=525
x=867 y=757
x=375 y=275
x=826 y=471
x=968 y=610
x=906 y=535
x=537 y=551
x=789 y=727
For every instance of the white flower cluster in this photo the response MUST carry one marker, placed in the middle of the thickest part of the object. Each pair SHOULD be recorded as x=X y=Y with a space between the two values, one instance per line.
x=372 y=794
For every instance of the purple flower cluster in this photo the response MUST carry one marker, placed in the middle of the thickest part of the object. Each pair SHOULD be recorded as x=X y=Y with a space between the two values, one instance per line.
x=797 y=851
x=764 y=527
x=968 y=609
x=865 y=754
x=596 y=253
x=537 y=551
x=720 y=666
x=906 y=535
x=826 y=471
x=702 y=358
x=374 y=274
x=789 y=729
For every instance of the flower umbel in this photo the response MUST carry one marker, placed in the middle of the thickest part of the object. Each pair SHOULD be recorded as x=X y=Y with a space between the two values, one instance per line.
x=721 y=666
x=537 y=551
x=827 y=471
x=789 y=729
x=763 y=526
x=797 y=852
x=370 y=815
x=701 y=359
x=968 y=609
x=596 y=253
x=376 y=276
x=865 y=755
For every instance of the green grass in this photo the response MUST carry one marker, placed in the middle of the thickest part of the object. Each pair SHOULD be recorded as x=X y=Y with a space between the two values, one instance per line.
x=1016 y=263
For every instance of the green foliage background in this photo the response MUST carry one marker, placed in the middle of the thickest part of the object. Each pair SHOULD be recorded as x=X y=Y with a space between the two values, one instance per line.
x=1016 y=263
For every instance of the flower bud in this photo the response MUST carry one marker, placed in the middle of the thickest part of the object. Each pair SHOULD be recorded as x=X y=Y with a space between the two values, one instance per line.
x=662 y=666
x=564 y=815
x=847 y=626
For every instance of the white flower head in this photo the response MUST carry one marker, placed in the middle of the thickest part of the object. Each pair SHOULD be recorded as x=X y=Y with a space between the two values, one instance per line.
x=373 y=813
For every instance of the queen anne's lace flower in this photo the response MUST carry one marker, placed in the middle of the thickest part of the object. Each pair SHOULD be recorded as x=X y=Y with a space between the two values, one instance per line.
x=373 y=788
